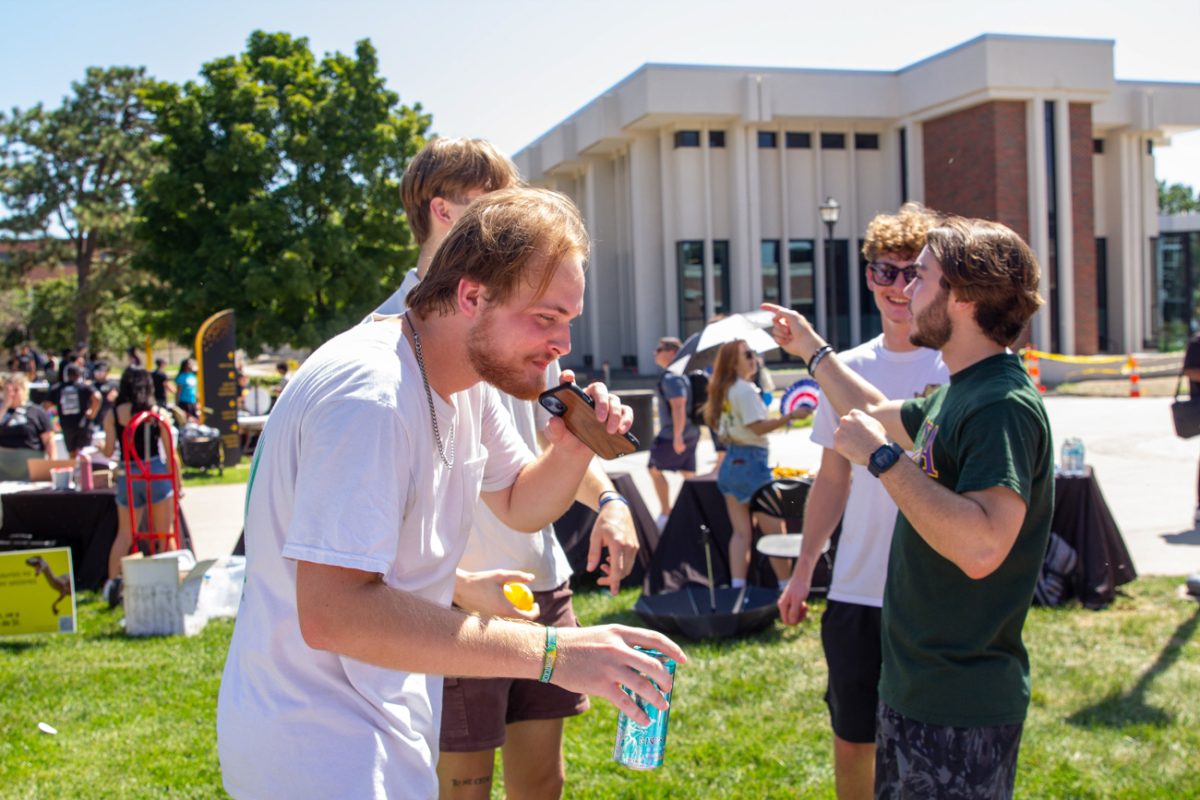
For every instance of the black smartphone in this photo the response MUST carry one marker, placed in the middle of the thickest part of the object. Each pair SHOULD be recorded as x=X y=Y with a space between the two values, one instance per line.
x=579 y=413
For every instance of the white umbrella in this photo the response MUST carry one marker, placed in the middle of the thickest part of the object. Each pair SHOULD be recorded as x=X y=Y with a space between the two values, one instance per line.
x=700 y=350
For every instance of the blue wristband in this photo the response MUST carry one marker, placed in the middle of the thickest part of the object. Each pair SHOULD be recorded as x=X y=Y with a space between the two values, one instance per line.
x=610 y=496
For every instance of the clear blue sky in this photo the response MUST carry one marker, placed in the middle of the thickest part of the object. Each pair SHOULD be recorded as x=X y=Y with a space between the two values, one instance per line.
x=508 y=70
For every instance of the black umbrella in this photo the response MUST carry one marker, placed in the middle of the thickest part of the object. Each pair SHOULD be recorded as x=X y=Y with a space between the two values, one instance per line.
x=706 y=612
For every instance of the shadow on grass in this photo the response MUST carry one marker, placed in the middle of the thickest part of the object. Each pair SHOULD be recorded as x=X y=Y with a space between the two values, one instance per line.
x=1120 y=709
x=22 y=646
x=770 y=634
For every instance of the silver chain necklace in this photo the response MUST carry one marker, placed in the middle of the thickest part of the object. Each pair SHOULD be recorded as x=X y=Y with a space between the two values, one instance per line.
x=449 y=462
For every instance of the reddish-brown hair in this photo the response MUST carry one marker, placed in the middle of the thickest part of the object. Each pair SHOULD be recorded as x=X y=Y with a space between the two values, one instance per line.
x=501 y=239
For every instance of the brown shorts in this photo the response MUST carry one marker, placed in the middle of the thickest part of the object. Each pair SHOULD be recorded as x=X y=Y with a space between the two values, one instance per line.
x=475 y=711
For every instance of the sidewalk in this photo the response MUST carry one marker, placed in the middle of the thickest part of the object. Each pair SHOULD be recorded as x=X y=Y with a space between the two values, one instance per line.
x=1147 y=474
x=214 y=518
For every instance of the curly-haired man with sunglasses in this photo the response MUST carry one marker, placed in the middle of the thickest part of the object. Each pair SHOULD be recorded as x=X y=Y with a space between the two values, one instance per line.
x=850 y=626
x=974 y=504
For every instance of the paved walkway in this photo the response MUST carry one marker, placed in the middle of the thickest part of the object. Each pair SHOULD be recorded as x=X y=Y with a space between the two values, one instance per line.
x=1147 y=474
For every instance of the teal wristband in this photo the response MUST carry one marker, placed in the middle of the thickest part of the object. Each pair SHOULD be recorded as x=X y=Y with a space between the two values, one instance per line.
x=611 y=496
x=551 y=655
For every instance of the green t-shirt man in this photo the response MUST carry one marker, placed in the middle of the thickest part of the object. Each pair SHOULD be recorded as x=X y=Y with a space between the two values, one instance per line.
x=952 y=649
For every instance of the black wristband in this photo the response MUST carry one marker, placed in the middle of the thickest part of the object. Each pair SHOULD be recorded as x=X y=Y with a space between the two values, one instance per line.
x=822 y=351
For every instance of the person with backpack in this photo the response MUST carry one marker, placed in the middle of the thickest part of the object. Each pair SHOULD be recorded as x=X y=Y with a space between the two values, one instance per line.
x=674 y=448
x=77 y=404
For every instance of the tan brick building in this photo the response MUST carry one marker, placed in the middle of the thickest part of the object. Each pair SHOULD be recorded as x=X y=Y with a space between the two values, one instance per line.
x=702 y=186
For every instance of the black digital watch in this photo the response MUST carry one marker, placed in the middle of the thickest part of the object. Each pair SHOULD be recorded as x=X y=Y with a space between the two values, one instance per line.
x=884 y=458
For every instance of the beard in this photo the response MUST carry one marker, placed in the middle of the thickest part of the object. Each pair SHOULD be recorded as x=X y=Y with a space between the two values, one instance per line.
x=932 y=327
x=509 y=375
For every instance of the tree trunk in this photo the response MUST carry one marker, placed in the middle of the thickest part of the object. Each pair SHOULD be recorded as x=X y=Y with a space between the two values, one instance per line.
x=85 y=251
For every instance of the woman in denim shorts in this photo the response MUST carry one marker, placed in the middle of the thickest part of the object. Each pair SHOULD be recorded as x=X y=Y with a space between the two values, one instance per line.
x=735 y=409
x=135 y=395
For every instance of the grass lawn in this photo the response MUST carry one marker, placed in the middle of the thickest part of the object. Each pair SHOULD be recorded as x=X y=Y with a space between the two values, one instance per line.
x=1114 y=712
x=238 y=473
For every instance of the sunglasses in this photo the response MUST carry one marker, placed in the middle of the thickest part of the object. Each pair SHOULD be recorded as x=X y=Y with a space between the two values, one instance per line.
x=748 y=354
x=885 y=274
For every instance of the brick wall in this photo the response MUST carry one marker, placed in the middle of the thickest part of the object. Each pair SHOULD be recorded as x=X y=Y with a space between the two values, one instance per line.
x=1087 y=332
x=975 y=164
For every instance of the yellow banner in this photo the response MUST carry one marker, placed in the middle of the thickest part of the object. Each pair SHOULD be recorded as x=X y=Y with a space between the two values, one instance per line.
x=37 y=591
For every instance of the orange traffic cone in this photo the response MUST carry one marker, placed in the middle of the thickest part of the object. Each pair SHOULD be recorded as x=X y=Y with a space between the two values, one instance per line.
x=1135 y=389
x=1035 y=371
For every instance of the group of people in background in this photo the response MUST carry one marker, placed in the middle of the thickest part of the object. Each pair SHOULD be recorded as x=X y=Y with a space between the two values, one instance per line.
x=80 y=400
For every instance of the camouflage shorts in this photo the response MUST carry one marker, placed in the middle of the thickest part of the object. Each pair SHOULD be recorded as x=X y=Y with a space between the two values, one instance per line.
x=916 y=760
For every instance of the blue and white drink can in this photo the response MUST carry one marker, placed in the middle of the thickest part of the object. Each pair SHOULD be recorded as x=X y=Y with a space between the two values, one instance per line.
x=644 y=746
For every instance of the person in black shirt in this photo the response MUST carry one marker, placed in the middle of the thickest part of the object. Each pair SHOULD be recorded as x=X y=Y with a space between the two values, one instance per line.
x=106 y=387
x=159 y=376
x=24 y=426
x=77 y=404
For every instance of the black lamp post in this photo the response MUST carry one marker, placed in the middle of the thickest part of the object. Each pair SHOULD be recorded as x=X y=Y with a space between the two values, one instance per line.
x=829 y=215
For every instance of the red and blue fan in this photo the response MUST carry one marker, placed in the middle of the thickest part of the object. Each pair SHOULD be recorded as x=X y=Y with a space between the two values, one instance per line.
x=802 y=393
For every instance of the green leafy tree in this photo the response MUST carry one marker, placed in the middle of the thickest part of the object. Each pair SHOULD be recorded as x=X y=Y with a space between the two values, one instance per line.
x=67 y=179
x=1177 y=198
x=281 y=195
x=50 y=322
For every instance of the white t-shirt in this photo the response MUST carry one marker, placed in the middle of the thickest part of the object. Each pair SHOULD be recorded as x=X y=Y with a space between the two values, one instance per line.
x=494 y=545
x=347 y=474
x=398 y=302
x=743 y=405
x=860 y=568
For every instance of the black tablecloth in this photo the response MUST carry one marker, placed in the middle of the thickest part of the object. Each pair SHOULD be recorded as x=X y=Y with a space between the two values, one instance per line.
x=679 y=558
x=84 y=521
x=574 y=529
x=1082 y=518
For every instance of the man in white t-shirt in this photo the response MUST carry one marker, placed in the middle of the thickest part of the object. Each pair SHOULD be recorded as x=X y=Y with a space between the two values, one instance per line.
x=362 y=492
x=850 y=626
x=525 y=717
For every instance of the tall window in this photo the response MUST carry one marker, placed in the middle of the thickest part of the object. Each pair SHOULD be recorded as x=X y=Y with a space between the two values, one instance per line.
x=801 y=267
x=1178 y=259
x=837 y=292
x=1051 y=272
x=772 y=276
x=716 y=138
x=1102 y=291
x=690 y=258
x=870 y=324
x=721 y=300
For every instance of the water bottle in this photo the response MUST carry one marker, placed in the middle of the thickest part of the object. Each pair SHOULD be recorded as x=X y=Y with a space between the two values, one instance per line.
x=1071 y=461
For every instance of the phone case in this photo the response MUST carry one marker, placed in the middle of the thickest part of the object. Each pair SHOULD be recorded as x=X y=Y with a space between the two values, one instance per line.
x=579 y=413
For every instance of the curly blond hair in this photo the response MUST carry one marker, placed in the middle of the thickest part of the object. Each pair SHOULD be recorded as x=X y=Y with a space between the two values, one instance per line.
x=901 y=234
